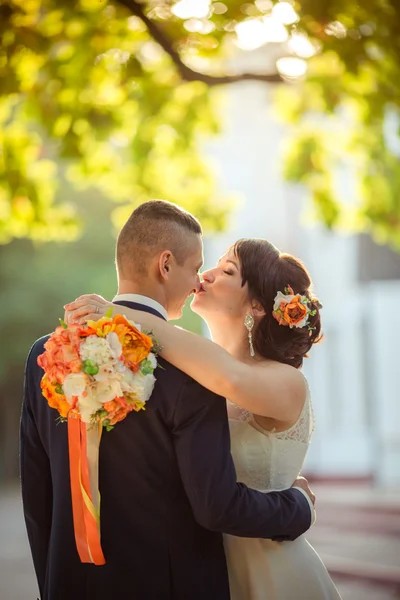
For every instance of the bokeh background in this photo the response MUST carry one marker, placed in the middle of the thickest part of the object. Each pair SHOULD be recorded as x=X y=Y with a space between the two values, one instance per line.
x=268 y=119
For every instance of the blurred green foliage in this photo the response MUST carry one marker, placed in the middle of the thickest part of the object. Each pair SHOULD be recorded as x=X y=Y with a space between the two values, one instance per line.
x=120 y=90
x=345 y=116
x=84 y=82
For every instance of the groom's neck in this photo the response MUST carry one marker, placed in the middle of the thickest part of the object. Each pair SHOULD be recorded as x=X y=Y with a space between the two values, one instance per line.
x=142 y=288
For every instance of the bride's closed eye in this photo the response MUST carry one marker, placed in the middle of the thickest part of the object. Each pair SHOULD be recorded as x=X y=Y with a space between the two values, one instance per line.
x=228 y=272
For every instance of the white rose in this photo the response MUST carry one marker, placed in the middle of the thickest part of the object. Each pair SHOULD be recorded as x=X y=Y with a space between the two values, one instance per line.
x=105 y=372
x=107 y=390
x=281 y=298
x=142 y=386
x=127 y=378
x=152 y=359
x=114 y=344
x=88 y=405
x=74 y=385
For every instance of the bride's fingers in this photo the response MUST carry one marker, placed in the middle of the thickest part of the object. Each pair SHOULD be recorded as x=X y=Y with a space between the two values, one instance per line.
x=85 y=302
x=75 y=304
x=83 y=311
x=86 y=299
x=89 y=317
x=89 y=311
x=91 y=297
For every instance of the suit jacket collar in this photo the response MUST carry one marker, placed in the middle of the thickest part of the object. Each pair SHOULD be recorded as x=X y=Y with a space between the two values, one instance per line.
x=139 y=306
x=142 y=300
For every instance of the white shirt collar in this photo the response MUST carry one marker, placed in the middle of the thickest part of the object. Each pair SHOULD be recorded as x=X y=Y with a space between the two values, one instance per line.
x=150 y=302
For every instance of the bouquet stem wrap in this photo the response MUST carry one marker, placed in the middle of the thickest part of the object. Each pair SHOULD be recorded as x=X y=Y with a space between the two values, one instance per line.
x=83 y=446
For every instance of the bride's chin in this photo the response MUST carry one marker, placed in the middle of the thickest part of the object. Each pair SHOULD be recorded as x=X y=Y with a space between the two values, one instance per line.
x=196 y=305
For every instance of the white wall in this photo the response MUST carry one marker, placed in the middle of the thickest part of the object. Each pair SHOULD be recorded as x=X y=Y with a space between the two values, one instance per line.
x=380 y=316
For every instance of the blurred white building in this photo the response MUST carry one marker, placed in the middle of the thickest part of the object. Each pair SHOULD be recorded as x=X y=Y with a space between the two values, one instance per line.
x=354 y=374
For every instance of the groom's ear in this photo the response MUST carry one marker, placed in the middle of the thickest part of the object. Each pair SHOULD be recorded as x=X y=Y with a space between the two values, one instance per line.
x=164 y=263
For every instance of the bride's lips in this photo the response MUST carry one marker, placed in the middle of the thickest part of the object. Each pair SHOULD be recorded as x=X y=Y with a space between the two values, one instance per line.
x=200 y=291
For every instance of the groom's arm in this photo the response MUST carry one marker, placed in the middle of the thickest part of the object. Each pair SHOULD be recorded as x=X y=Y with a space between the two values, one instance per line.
x=219 y=503
x=36 y=482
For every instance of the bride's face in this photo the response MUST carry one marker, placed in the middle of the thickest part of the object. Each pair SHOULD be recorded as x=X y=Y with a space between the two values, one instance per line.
x=221 y=292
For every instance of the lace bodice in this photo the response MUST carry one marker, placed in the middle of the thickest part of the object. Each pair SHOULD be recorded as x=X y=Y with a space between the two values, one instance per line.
x=269 y=460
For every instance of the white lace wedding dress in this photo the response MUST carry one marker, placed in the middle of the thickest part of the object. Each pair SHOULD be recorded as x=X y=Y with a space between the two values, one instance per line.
x=268 y=461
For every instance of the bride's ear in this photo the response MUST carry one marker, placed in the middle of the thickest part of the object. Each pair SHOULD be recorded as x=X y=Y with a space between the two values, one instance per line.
x=257 y=310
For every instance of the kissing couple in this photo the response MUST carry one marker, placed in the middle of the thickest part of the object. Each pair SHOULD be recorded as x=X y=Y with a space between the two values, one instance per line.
x=201 y=497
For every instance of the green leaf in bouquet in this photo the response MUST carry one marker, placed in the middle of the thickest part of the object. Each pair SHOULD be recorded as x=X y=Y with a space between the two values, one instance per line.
x=157 y=348
x=106 y=424
x=109 y=313
x=146 y=367
x=90 y=368
x=63 y=324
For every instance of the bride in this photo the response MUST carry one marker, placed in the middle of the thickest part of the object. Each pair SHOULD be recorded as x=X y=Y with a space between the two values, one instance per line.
x=263 y=319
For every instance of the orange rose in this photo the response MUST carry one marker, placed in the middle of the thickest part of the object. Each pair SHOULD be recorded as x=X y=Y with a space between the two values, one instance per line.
x=61 y=355
x=119 y=415
x=294 y=311
x=54 y=399
x=110 y=406
x=135 y=345
x=277 y=315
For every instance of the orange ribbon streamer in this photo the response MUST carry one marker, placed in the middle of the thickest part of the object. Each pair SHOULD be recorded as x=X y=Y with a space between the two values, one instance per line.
x=85 y=514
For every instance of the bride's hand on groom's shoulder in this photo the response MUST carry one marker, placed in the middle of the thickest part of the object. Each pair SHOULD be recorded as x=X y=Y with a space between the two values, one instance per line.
x=86 y=307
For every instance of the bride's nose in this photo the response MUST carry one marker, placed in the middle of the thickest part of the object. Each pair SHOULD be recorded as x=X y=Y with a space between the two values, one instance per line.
x=208 y=276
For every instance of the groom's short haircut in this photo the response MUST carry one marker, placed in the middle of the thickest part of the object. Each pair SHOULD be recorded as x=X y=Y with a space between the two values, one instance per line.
x=153 y=227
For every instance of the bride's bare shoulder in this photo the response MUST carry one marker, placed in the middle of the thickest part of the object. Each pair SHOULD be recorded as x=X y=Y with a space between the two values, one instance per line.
x=286 y=377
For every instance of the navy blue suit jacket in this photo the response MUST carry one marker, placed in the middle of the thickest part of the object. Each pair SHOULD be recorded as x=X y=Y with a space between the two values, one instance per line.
x=168 y=490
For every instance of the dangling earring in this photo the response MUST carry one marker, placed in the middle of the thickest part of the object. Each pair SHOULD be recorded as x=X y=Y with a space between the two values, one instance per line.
x=249 y=324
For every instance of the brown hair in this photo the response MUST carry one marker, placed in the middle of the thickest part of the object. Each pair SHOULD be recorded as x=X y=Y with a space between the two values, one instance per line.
x=266 y=271
x=153 y=227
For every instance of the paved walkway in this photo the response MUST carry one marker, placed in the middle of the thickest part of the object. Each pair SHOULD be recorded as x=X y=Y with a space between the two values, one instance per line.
x=17 y=578
x=357 y=535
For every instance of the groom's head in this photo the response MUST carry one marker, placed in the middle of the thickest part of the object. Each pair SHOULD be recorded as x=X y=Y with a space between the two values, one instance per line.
x=159 y=254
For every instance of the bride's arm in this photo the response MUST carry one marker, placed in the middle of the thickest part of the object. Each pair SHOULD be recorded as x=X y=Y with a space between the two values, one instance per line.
x=275 y=391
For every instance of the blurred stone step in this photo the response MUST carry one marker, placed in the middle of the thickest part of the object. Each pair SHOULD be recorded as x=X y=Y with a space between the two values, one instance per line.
x=353 y=518
x=357 y=535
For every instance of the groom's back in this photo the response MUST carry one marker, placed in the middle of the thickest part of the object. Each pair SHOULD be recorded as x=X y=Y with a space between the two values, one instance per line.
x=154 y=548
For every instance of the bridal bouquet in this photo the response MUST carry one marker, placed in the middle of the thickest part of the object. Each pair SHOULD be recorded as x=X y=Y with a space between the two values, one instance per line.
x=94 y=376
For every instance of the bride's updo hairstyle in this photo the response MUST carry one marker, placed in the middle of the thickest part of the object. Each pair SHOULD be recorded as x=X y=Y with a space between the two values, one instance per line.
x=266 y=271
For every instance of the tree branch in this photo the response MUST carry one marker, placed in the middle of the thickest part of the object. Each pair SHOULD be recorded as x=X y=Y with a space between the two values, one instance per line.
x=186 y=72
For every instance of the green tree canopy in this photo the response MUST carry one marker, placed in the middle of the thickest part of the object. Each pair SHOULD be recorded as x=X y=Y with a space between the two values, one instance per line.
x=120 y=91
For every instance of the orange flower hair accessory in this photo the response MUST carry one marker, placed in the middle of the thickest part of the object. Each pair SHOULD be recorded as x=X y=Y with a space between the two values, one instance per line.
x=292 y=310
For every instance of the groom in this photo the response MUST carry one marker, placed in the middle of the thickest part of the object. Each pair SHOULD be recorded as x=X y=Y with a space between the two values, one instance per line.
x=167 y=481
